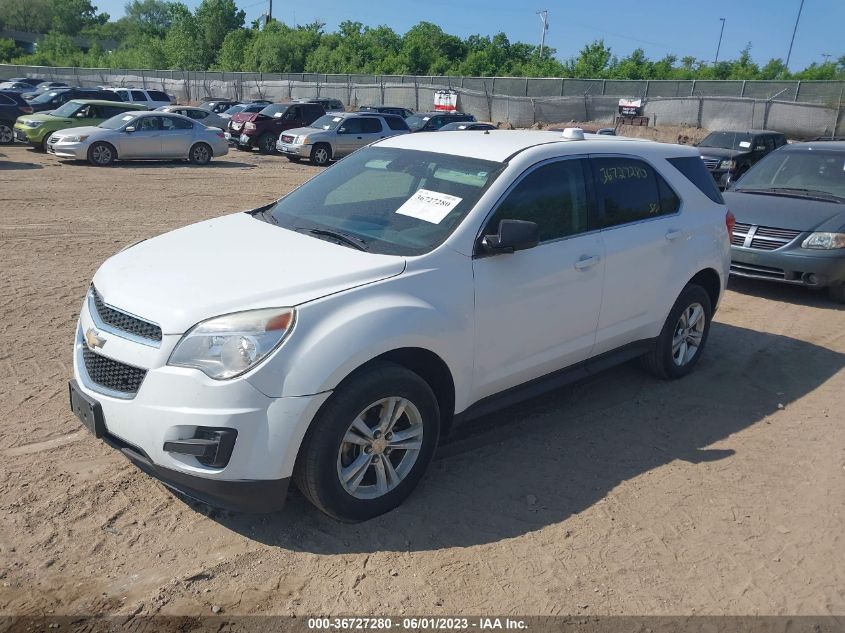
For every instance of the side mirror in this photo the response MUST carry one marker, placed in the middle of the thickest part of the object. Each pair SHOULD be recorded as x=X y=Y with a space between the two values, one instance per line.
x=341 y=130
x=129 y=129
x=514 y=235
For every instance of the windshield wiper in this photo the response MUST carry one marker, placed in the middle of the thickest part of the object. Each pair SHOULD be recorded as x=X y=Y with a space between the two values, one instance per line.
x=355 y=242
x=795 y=191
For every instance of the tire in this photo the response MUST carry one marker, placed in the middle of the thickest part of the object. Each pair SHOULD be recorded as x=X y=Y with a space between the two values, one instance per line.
x=294 y=159
x=837 y=292
x=200 y=154
x=7 y=133
x=44 y=142
x=101 y=154
x=266 y=143
x=321 y=154
x=671 y=359
x=348 y=480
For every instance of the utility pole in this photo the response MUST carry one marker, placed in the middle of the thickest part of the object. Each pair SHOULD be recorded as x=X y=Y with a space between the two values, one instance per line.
x=544 y=16
x=827 y=57
x=792 y=41
x=719 y=45
x=269 y=12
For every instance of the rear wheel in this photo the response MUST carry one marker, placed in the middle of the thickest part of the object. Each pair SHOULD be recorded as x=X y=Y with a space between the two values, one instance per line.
x=370 y=444
x=7 y=134
x=200 y=154
x=266 y=143
x=321 y=154
x=683 y=337
x=101 y=154
x=837 y=292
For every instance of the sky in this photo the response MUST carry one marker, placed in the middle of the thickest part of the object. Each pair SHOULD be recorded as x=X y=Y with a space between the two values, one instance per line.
x=680 y=27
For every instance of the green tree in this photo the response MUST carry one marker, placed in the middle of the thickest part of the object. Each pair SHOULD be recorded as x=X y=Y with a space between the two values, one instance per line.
x=31 y=16
x=234 y=49
x=72 y=16
x=183 y=44
x=8 y=50
x=592 y=62
x=151 y=17
x=215 y=19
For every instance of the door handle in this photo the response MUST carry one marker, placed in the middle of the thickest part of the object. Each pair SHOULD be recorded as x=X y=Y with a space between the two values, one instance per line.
x=673 y=234
x=360 y=138
x=586 y=262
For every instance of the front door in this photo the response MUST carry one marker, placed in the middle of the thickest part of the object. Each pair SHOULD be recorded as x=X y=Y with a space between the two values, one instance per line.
x=145 y=141
x=536 y=310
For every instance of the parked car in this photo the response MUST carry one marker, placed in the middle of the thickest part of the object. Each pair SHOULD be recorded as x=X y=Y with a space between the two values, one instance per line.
x=248 y=130
x=790 y=218
x=433 y=121
x=385 y=109
x=152 y=99
x=12 y=105
x=219 y=105
x=15 y=86
x=467 y=126
x=250 y=108
x=730 y=154
x=338 y=134
x=423 y=280
x=140 y=136
x=198 y=114
x=36 y=129
x=44 y=86
x=29 y=81
x=328 y=104
x=54 y=98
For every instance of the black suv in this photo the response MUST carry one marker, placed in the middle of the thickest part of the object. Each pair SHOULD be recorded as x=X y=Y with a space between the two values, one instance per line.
x=52 y=99
x=12 y=105
x=728 y=155
x=432 y=121
x=329 y=105
x=385 y=109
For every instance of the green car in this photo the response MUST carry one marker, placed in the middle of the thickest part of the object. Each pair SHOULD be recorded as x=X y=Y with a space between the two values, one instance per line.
x=37 y=128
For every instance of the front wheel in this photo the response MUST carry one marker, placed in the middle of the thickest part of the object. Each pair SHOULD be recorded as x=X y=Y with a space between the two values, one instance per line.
x=44 y=142
x=200 y=154
x=266 y=144
x=370 y=444
x=321 y=154
x=683 y=337
x=101 y=154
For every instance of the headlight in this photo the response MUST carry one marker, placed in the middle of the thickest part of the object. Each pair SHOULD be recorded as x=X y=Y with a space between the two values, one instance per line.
x=230 y=345
x=33 y=124
x=727 y=164
x=825 y=241
x=73 y=139
x=249 y=126
x=301 y=140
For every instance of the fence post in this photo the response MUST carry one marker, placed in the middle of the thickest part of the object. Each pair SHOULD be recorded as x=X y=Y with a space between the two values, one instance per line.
x=700 y=108
x=797 y=90
x=603 y=87
x=647 y=83
x=492 y=88
x=742 y=90
x=692 y=89
x=526 y=86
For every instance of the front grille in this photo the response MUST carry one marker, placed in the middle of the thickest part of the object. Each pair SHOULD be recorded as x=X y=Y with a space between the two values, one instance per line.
x=752 y=270
x=711 y=163
x=287 y=138
x=123 y=321
x=763 y=238
x=112 y=374
x=739 y=233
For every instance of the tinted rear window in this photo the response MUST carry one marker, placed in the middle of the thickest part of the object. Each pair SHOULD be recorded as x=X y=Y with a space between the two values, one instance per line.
x=158 y=95
x=396 y=123
x=693 y=168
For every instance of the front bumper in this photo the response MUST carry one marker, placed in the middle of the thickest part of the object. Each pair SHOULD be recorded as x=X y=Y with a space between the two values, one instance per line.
x=174 y=406
x=289 y=149
x=78 y=151
x=792 y=266
x=30 y=135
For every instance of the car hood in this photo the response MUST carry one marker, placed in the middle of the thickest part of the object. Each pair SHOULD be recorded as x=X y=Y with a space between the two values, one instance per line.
x=786 y=212
x=88 y=129
x=720 y=152
x=242 y=117
x=45 y=117
x=310 y=131
x=229 y=264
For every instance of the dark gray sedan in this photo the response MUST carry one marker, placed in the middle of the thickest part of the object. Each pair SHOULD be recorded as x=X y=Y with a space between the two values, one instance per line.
x=790 y=218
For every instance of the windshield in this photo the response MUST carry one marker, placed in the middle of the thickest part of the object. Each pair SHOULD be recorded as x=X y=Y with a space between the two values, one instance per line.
x=234 y=109
x=67 y=110
x=274 y=110
x=116 y=121
x=815 y=171
x=416 y=121
x=45 y=97
x=327 y=122
x=395 y=201
x=727 y=140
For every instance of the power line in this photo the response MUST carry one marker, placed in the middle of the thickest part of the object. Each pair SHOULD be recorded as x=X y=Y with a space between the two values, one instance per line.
x=794 y=30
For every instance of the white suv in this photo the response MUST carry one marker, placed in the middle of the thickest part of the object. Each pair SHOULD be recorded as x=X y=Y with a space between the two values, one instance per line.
x=332 y=337
x=151 y=98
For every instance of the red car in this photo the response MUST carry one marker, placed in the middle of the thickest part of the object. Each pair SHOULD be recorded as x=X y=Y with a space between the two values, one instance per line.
x=248 y=130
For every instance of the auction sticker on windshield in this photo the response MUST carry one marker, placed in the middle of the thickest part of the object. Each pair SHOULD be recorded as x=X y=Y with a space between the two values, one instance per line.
x=429 y=206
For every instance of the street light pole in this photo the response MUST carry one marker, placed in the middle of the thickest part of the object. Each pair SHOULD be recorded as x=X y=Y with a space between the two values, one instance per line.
x=794 y=30
x=544 y=16
x=719 y=45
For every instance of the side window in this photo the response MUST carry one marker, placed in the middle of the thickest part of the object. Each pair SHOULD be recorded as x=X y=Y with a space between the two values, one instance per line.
x=138 y=95
x=123 y=94
x=692 y=167
x=396 y=123
x=769 y=142
x=553 y=195
x=175 y=124
x=148 y=124
x=370 y=125
x=630 y=190
x=198 y=115
x=158 y=95
x=353 y=126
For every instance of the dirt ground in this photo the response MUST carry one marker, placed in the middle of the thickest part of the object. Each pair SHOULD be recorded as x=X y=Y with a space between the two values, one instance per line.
x=723 y=493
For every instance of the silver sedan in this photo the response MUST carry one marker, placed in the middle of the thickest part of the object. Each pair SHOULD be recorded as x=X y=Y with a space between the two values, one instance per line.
x=140 y=136
x=206 y=117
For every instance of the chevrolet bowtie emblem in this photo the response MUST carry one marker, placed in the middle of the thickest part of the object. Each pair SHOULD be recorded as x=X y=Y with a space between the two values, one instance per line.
x=93 y=339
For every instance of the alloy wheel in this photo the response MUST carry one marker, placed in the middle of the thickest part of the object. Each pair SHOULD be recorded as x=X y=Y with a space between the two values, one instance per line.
x=380 y=448
x=321 y=156
x=6 y=134
x=689 y=332
x=200 y=154
x=101 y=154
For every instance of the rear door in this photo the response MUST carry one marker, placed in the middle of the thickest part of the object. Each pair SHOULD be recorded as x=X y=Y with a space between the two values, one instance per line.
x=176 y=137
x=139 y=97
x=536 y=310
x=644 y=241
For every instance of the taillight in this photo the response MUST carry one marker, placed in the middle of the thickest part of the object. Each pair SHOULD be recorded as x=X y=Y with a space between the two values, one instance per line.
x=730 y=222
x=25 y=109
